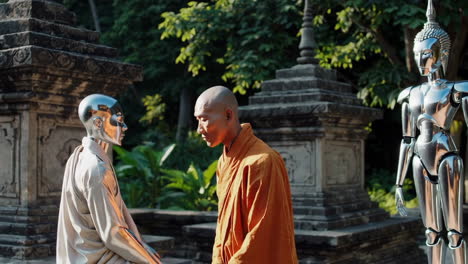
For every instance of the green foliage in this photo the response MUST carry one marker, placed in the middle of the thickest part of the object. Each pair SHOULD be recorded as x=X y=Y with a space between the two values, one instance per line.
x=379 y=82
x=150 y=177
x=190 y=190
x=139 y=173
x=155 y=108
x=193 y=150
x=366 y=39
x=134 y=33
x=386 y=200
x=381 y=189
x=249 y=39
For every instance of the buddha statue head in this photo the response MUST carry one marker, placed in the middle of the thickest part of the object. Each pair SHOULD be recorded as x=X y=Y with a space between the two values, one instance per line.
x=431 y=46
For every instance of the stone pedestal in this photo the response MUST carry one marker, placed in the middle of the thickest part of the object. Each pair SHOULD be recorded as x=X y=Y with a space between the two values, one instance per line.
x=47 y=66
x=318 y=125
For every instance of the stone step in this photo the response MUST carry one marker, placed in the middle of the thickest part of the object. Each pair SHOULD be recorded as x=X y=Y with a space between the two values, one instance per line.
x=310 y=222
x=162 y=244
x=36 y=25
x=18 y=218
x=391 y=240
x=19 y=240
x=301 y=83
x=169 y=260
x=338 y=199
x=45 y=10
x=304 y=96
x=28 y=252
x=307 y=109
x=29 y=211
x=44 y=40
x=25 y=228
x=62 y=63
x=333 y=210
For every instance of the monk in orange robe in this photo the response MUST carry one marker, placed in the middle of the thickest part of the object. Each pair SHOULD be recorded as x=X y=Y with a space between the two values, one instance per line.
x=255 y=218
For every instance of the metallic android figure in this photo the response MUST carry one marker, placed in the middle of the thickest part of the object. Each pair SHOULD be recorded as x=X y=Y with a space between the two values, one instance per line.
x=94 y=223
x=437 y=166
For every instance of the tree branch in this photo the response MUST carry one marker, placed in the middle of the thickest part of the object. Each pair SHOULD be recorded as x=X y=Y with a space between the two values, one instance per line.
x=386 y=47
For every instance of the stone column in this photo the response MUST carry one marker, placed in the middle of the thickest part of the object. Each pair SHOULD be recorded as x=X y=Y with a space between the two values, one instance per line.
x=47 y=65
x=319 y=127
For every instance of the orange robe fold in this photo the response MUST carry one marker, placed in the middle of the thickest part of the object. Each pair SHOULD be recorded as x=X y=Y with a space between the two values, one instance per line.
x=255 y=222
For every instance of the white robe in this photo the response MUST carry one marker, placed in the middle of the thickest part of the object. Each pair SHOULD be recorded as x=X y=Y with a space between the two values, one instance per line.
x=94 y=222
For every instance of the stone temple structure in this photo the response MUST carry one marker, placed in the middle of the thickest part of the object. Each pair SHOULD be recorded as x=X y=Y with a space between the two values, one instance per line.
x=47 y=65
x=318 y=125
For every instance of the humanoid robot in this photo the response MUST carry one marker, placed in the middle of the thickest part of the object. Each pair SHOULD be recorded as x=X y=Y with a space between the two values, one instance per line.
x=94 y=223
x=437 y=166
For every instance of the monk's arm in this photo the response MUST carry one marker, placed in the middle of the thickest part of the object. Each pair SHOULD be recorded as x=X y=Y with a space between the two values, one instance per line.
x=109 y=222
x=270 y=230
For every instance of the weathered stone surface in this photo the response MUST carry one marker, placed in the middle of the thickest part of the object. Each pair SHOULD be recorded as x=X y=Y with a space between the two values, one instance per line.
x=317 y=125
x=171 y=223
x=47 y=66
x=384 y=242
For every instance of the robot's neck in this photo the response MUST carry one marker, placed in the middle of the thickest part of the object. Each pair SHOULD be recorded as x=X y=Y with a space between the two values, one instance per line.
x=104 y=145
x=432 y=77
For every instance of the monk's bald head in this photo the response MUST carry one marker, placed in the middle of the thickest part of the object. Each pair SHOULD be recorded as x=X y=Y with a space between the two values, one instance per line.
x=216 y=112
x=217 y=98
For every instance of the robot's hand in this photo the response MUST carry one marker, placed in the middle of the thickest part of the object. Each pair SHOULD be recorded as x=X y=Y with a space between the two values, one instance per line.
x=400 y=202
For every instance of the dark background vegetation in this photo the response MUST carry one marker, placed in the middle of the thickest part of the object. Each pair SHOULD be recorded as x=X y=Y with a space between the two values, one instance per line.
x=186 y=47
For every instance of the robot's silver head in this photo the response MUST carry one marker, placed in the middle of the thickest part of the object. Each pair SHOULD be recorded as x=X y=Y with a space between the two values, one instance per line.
x=431 y=45
x=103 y=119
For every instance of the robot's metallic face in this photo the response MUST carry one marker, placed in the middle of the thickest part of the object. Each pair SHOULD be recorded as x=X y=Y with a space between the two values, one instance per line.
x=427 y=55
x=103 y=118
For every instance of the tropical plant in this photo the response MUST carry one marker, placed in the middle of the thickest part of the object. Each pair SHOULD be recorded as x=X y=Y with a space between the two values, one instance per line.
x=140 y=173
x=381 y=189
x=190 y=190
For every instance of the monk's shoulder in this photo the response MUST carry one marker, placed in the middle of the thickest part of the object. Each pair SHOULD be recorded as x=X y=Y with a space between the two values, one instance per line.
x=261 y=155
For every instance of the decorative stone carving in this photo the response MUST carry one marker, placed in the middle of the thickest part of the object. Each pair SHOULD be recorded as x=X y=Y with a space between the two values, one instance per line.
x=67 y=149
x=21 y=55
x=300 y=163
x=342 y=162
x=46 y=66
x=9 y=156
x=57 y=141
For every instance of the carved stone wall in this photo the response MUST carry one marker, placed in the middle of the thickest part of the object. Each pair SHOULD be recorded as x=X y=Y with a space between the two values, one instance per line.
x=57 y=140
x=47 y=65
x=300 y=163
x=342 y=162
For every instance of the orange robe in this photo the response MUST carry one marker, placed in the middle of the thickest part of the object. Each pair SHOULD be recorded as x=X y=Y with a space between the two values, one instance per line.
x=255 y=222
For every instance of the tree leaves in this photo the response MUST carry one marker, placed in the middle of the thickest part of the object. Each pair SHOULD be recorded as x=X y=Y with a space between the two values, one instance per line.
x=249 y=39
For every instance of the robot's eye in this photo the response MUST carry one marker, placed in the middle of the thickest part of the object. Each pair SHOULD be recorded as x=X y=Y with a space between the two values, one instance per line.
x=427 y=53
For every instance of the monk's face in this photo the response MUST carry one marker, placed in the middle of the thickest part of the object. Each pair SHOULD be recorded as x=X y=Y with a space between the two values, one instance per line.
x=213 y=122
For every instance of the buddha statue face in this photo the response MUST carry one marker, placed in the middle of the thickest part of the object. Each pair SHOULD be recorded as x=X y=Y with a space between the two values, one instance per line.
x=103 y=118
x=431 y=47
x=428 y=56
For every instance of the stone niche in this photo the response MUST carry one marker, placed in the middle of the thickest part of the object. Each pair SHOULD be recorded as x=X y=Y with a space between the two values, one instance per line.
x=57 y=140
x=10 y=159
